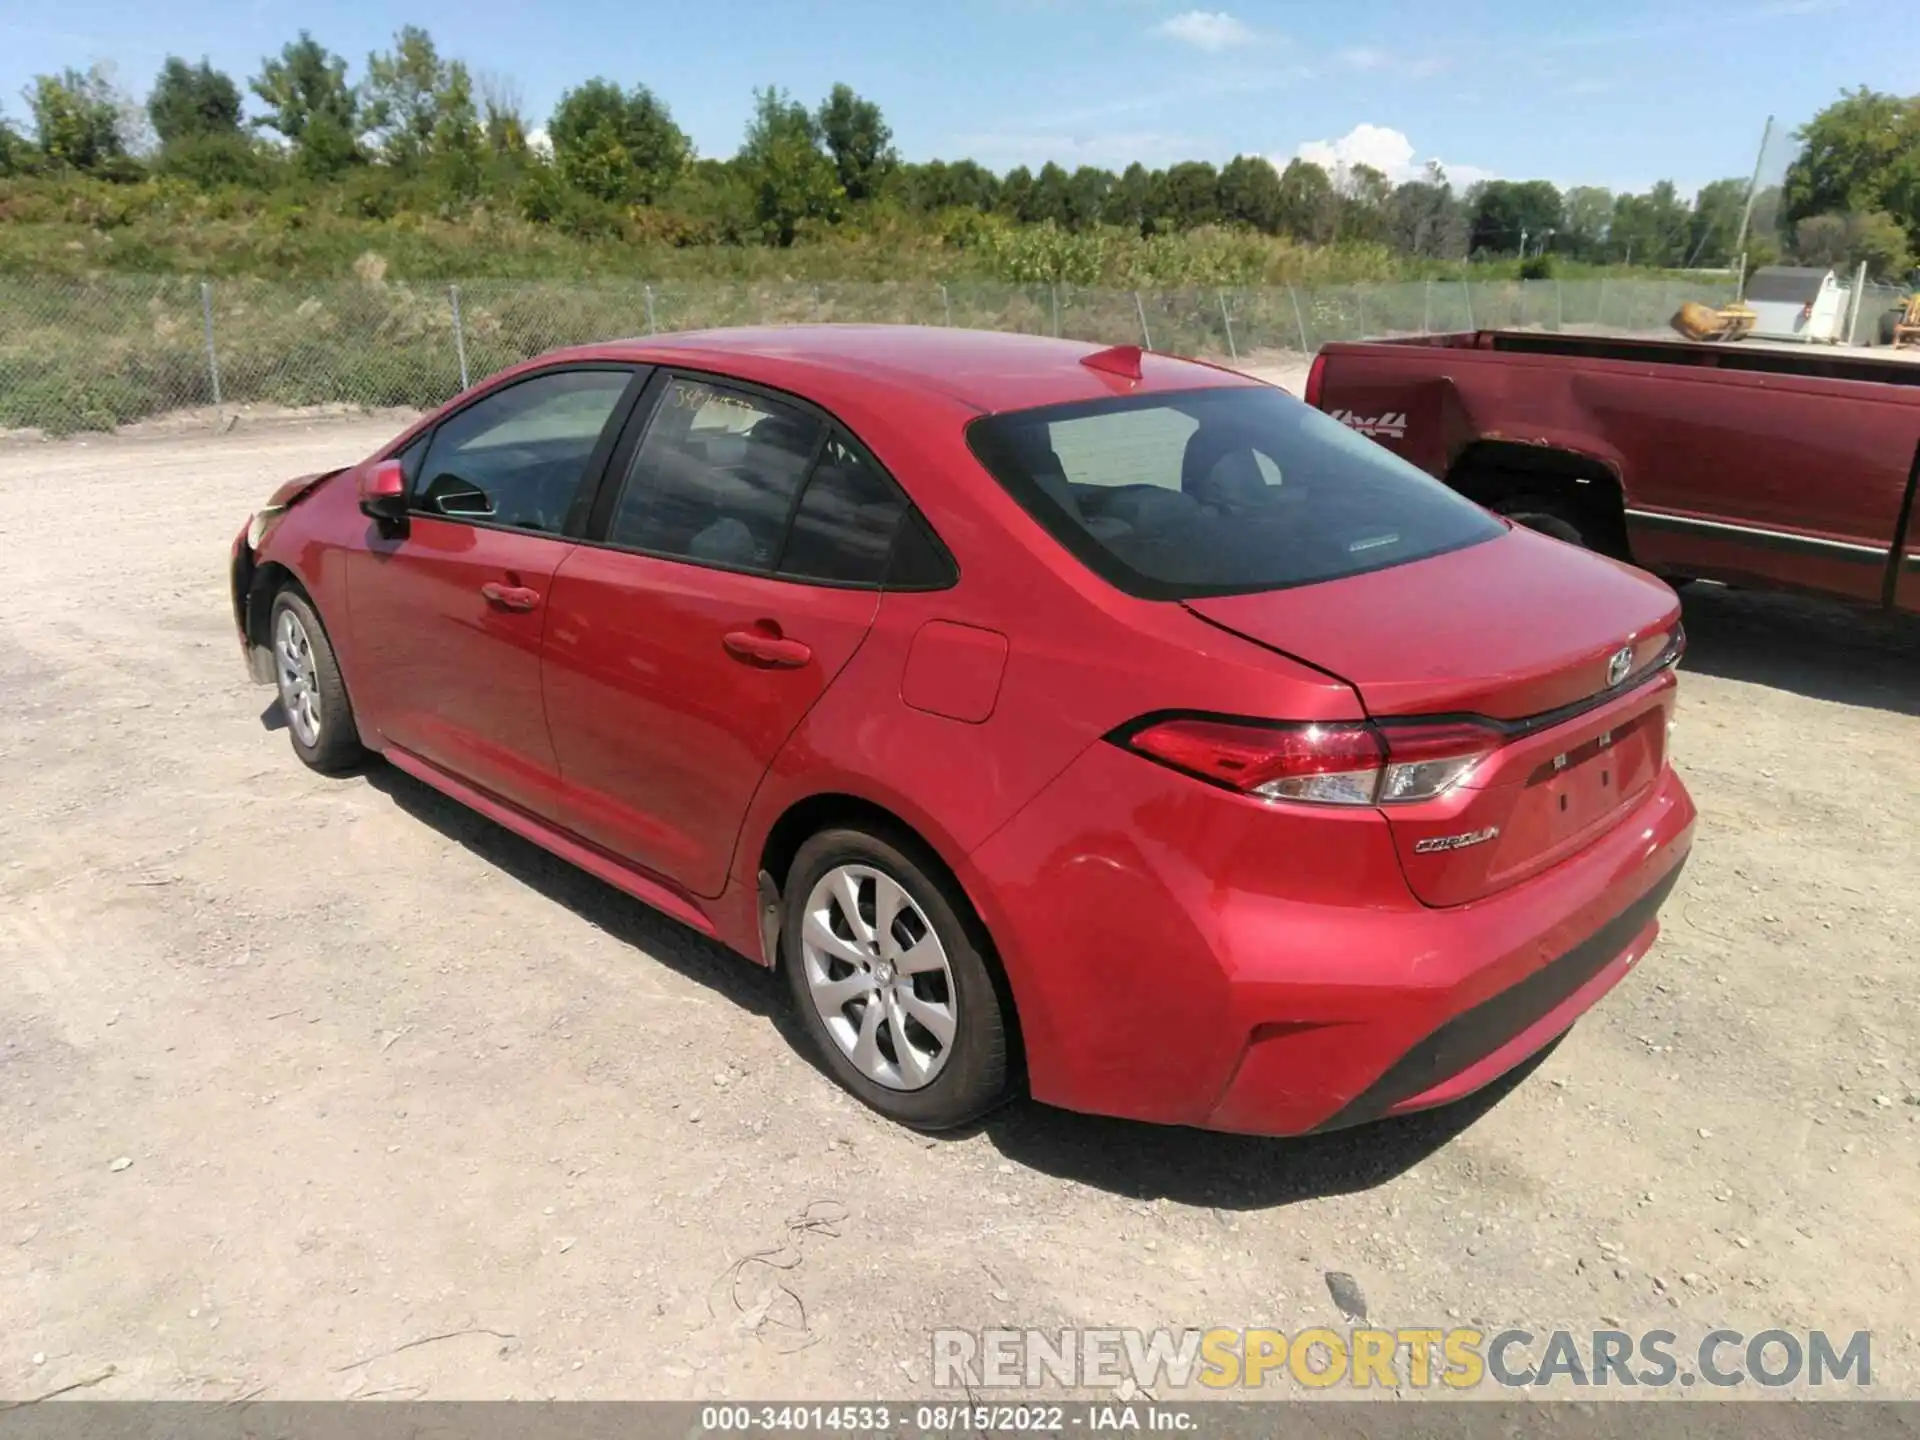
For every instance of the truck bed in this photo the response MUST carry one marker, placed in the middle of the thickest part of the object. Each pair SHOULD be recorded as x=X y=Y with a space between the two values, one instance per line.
x=1768 y=466
x=1765 y=357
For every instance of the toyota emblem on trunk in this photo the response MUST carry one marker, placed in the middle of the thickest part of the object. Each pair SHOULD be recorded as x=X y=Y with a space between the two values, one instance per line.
x=1620 y=666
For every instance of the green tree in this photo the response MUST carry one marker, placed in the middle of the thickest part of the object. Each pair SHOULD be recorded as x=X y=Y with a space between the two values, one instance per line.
x=1650 y=229
x=1424 y=217
x=792 y=180
x=17 y=155
x=857 y=138
x=1874 y=238
x=1860 y=155
x=191 y=101
x=1016 y=193
x=618 y=146
x=76 y=119
x=458 y=144
x=310 y=103
x=503 y=120
x=1714 y=225
x=713 y=203
x=937 y=186
x=1250 y=193
x=402 y=96
x=1586 y=212
x=1137 y=199
x=1505 y=210
x=1193 y=194
x=1049 y=200
x=1309 y=208
x=1087 y=192
x=1364 y=192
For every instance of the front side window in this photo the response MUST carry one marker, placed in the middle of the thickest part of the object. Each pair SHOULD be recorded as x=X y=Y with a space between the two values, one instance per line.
x=1220 y=492
x=715 y=475
x=517 y=457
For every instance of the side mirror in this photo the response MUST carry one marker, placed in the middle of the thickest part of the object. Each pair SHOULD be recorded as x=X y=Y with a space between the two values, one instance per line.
x=383 y=495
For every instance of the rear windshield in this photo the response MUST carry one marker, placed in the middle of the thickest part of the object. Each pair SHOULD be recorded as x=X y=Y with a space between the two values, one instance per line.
x=1218 y=492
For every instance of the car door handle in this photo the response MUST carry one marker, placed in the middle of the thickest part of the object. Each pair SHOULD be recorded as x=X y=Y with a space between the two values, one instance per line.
x=510 y=597
x=771 y=649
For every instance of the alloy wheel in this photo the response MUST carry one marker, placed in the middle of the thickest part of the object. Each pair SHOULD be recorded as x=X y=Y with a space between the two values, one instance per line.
x=298 y=681
x=879 y=977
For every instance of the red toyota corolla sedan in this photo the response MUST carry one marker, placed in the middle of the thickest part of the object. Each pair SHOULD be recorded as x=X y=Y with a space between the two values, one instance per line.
x=1106 y=723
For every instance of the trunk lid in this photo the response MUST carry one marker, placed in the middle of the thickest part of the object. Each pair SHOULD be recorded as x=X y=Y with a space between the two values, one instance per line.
x=1525 y=631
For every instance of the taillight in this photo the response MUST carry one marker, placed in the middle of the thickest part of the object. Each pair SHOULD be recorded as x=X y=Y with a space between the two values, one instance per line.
x=1425 y=760
x=1316 y=380
x=1340 y=763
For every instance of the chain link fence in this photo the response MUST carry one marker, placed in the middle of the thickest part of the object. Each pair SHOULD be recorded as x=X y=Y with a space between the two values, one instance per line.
x=94 y=354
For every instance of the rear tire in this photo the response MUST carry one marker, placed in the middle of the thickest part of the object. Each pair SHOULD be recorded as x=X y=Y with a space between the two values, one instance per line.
x=905 y=1015
x=1544 y=516
x=313 y=697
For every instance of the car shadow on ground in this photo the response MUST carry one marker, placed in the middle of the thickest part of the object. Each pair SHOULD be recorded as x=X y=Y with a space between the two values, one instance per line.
x=611 y=911
x=1816 y=648
x=1192 y=1167
x=1233 y=1172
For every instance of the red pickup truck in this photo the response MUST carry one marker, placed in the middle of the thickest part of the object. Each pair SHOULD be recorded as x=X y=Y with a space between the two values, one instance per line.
x=1762 y=468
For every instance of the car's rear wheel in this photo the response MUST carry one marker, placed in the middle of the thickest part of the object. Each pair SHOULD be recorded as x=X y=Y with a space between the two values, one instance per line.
x=313 y=698
x=889 y=982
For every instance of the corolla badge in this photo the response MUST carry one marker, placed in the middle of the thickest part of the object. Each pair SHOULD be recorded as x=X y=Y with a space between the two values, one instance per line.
x=1456 y=842
x=1620 y=665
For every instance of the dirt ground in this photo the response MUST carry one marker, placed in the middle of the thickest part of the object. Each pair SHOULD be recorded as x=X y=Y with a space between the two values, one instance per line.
x=320 y=1088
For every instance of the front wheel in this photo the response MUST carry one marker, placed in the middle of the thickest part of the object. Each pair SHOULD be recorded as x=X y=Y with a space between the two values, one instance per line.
x=889 y=982
x=313 y=697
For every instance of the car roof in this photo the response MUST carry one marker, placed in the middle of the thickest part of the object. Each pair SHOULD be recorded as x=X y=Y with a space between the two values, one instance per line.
x=984 y=370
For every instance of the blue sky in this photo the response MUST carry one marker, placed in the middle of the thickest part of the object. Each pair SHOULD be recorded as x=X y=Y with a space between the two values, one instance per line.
x=1617 y=94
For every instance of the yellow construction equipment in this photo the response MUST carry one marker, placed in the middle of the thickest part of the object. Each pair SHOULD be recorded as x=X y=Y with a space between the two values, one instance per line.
x=1906 y=325
x=1703 y=322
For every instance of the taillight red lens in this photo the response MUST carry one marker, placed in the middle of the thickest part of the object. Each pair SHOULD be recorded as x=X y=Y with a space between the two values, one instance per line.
x=1341 y=763
x=1316 y=380
x=1337 y=763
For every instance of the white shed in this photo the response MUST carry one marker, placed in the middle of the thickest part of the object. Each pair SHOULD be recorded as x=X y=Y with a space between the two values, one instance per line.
x=1797 y=303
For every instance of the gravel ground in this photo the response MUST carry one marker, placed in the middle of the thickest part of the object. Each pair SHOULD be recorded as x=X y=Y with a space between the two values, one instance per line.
x=302 y=1073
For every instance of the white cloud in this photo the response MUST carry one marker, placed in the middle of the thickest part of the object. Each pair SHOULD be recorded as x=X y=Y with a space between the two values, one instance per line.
x=1387 y=150
x=539 y=142
x=1206 y=30
x=1414 y=67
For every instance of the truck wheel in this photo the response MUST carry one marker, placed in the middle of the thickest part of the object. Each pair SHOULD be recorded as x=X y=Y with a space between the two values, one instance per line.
x=1544 y=516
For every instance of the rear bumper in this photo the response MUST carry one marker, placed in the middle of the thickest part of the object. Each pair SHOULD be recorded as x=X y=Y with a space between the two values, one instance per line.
x=1480 y=1044
x=1247 y=968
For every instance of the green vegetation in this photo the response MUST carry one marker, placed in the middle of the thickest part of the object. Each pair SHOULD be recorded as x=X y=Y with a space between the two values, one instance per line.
x=440 y=173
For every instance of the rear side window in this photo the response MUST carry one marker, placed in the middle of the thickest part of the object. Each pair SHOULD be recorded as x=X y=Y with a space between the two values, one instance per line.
x=714 y=477
x=1219 y=492
x=843 y=531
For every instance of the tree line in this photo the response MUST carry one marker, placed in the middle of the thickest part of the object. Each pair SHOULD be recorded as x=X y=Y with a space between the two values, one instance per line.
x=418 y=132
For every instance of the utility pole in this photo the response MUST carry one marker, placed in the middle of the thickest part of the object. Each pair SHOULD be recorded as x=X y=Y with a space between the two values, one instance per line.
x=1746 y=215
x=1523 y=242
